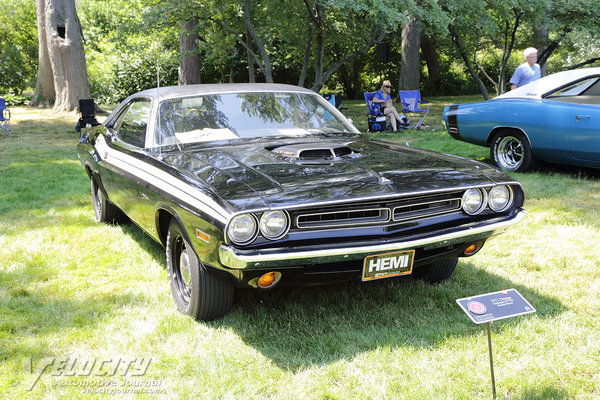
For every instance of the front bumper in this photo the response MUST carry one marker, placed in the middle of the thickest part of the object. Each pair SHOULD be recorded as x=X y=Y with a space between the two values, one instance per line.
x=233 y=258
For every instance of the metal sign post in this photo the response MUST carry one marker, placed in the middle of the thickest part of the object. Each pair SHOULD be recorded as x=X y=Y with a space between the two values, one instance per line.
x=491 y=360
x=490 y=307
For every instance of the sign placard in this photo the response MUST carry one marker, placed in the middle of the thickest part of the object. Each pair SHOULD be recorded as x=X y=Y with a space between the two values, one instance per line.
x=494 y=306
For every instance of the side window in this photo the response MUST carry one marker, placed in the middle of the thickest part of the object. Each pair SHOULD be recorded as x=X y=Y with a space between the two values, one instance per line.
x=133 y=123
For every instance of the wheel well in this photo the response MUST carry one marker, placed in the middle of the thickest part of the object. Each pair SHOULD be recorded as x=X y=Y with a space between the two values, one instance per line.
x=505 y=129
x=162 y=225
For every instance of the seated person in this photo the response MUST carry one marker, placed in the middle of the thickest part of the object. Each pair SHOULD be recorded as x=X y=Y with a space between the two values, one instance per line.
x=383 y=98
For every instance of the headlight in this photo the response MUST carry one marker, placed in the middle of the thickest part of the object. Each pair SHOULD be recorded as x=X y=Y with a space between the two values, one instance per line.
x=242 y=228
x=474 y=201
x=274 y=224
x=500 y=198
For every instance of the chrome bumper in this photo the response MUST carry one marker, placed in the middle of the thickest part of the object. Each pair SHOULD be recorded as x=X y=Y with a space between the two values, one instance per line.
x=285 y=257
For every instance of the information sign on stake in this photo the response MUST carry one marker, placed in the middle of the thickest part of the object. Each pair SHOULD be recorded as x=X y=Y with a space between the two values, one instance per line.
x=489 y=307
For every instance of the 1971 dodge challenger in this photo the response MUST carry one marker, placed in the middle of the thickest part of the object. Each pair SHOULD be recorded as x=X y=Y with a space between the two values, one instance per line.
x=257 y=185
x=554 y=119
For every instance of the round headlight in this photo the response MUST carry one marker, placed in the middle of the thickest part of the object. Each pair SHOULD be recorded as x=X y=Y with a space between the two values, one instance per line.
x=500 y=198
x=242 y=228
x=473 y=201
x=274 y=224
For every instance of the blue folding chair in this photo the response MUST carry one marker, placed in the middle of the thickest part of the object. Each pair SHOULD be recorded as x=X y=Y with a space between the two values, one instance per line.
x=336 y=101
x=377 y=121
x=4 y=121
x=414 y=107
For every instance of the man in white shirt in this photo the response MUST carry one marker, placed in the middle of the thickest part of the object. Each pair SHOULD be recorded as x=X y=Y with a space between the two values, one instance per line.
x=528 y=71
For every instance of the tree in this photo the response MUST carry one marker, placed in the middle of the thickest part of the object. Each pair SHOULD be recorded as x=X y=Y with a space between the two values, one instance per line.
x=189 y=61
x=62 y=75
x=410 y=68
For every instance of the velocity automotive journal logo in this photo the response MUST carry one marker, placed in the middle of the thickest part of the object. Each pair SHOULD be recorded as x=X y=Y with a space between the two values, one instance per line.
x=109 y=375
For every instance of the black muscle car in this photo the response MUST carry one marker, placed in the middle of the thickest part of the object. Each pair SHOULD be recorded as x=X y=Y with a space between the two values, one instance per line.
x=257 y=185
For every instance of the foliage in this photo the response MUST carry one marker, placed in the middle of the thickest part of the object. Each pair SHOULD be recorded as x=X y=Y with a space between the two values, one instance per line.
x=17 y=99
x=18 y=45
x=124 y=48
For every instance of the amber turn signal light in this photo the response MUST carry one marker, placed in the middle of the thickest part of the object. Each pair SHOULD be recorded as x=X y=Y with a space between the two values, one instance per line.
x=472 y=249
x=268 y=280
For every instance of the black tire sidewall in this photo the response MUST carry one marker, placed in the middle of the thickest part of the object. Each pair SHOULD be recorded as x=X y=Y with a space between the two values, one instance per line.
x=186 y=307
x=439 y=271
x=98 y=201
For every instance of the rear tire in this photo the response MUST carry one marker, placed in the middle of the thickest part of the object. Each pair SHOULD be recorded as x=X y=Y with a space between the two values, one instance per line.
x=197 y=292
x=438 y=271
x=104 y=210
x=511 y=151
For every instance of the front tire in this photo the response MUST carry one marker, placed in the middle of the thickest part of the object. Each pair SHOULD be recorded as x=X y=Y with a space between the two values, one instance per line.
x=104 y=210
x=198 y=293
x=511 y=151
x=438 y=271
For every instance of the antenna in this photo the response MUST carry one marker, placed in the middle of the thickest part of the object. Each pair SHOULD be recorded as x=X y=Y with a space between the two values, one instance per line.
x=158 y=102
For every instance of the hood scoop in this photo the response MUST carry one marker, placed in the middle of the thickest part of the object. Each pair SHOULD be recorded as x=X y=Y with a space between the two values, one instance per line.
x=315 y=151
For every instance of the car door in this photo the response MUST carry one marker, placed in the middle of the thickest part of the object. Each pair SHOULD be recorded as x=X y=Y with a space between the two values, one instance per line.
x=128 y=135
x=581 y=100
x=584 y=134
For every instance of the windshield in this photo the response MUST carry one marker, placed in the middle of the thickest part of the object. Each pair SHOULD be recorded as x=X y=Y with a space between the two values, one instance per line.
x=244 y=115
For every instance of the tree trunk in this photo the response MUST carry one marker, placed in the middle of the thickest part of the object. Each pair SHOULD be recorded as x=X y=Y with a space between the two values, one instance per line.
x=61 y=55
x=44 y=86
x=433 y=63
x=265 y=67
x=251 y=72
x=410 y=68
x=189 y=58
x=541 y=37
x=307 y=48
x=463 y=54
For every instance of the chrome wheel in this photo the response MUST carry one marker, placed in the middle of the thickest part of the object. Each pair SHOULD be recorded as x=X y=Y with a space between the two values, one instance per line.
x=510 y=153
x=184 y=268
x=182 y=275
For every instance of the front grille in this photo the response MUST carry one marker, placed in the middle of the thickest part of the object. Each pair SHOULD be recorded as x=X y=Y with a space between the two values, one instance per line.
x=378 y=213
x=424 y=210
x=343 y=218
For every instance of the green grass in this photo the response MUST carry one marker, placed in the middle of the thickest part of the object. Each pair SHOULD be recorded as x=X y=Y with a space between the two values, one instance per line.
x=72 y=288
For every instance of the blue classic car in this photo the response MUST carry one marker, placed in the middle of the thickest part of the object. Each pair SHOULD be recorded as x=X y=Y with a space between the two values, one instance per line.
x=555 y=119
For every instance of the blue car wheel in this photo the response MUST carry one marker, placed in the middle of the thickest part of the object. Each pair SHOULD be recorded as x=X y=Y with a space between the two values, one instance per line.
x=511 y=151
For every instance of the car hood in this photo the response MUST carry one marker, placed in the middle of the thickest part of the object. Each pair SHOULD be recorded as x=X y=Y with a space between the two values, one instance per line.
x=255 y=176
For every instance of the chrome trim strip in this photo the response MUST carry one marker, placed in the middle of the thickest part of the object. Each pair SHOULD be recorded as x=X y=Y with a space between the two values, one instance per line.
x=264 y=258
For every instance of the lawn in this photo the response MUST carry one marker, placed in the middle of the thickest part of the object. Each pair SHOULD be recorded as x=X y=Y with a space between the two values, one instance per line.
x=86 y=309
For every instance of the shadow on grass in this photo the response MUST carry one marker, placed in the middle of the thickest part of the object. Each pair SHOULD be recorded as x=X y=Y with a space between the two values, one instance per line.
x=300 y=327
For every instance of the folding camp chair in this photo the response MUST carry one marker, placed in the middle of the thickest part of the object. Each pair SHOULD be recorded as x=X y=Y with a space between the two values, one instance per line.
x=377 y=121
x=336 y=101
x=4 y=121
x=413 y=107
x=88 y=114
